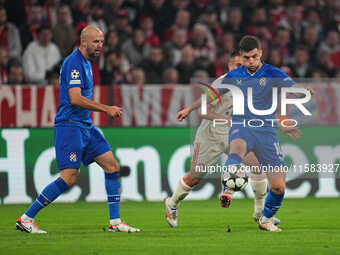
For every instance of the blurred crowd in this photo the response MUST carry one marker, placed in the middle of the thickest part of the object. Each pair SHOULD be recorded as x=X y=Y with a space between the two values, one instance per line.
x=166 y=41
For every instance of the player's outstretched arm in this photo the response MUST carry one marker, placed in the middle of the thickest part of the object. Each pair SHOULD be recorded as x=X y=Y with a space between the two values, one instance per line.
x=182 y=114
x=78 y=100
x=212 y=115
x=292 y=132
x=310 y=89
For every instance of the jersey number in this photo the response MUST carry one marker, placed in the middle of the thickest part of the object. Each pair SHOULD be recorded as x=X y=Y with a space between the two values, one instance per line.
x=278 y=150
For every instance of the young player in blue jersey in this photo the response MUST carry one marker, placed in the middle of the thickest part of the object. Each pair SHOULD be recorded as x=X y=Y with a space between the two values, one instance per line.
x=75 y=137
x=211 y=142
x=262 y=140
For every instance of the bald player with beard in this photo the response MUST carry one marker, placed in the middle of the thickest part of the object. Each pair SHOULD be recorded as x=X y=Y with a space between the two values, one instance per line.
x=76 y=139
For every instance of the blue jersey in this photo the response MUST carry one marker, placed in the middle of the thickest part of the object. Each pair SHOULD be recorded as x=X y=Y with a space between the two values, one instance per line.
x=76 y=71
x=261 y=82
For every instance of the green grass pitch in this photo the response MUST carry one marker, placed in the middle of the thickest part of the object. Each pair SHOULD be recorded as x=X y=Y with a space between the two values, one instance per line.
x=310 y=226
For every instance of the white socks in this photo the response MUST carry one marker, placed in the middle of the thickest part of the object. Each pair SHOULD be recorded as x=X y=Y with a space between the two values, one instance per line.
x=115 y=221
x=182 y=190
x=24 y=217
x=259 y=187
x=264 y=219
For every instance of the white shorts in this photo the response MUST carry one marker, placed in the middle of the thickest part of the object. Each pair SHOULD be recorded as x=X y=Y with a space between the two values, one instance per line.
x=208 y=151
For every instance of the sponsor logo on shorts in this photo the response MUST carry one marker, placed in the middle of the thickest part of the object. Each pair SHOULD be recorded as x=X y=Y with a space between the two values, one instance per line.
x=73 y=157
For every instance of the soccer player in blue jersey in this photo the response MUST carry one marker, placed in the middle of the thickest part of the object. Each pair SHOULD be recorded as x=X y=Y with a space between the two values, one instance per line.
x=262 y=140
x=211 y=142
x=76 y=139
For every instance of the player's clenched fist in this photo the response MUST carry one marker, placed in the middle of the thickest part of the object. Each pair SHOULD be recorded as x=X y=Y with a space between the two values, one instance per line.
x=114 y=111
x=181 y=115
x=292 y=132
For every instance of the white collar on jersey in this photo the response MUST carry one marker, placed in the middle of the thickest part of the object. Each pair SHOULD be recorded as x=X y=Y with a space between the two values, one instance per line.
x=256 y=71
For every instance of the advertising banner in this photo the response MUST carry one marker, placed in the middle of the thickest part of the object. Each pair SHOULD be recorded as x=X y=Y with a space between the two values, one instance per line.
x=149 y=106
x=157 y=159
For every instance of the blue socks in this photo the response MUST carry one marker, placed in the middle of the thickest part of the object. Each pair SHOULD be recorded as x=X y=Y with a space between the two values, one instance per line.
x=272 y=204
x=112 y=186
x=233 y=159
x=48 y=195
x=59 y=186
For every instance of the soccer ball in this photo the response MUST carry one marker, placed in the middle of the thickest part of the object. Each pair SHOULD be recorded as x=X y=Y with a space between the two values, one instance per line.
x=235 y=178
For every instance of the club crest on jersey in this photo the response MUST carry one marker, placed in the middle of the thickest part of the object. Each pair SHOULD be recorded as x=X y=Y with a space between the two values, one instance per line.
x=239 y=82
x=262 y=81
x=73 y=157
x=75 y=74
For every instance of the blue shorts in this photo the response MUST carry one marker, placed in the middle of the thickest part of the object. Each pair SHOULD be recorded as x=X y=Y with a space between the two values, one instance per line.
x=74 y=145
x=262 y=141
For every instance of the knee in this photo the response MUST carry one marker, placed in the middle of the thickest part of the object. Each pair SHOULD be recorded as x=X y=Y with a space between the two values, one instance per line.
x=70 y=179
x=278 y=188
x=195 y=181
x=71 y=182
x=191 y=180
x=113 y=167
x=238 y=147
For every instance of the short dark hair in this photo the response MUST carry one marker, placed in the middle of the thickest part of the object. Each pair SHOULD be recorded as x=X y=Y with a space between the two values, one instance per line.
x=280 y=28
x=14 y=63
x=43 y=27
x=249 y=43
x=113 y=51
x=300 y=47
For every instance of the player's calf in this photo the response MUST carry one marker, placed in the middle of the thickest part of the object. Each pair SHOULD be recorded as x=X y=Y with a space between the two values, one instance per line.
x=272 y=205
x=259 y=186
x=171 y=204
x=277 y=182
x=279 y=189
x=48 y=195
x=183 y=189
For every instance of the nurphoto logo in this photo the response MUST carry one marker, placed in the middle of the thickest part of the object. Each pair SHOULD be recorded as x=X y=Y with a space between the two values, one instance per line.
x=239 y=107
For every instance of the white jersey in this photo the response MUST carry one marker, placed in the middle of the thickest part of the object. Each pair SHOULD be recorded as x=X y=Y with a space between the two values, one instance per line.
x=206 y=129
x=211 y=142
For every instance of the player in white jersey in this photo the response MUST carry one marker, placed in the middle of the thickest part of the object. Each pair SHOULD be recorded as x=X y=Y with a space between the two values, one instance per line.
x=210 y=143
